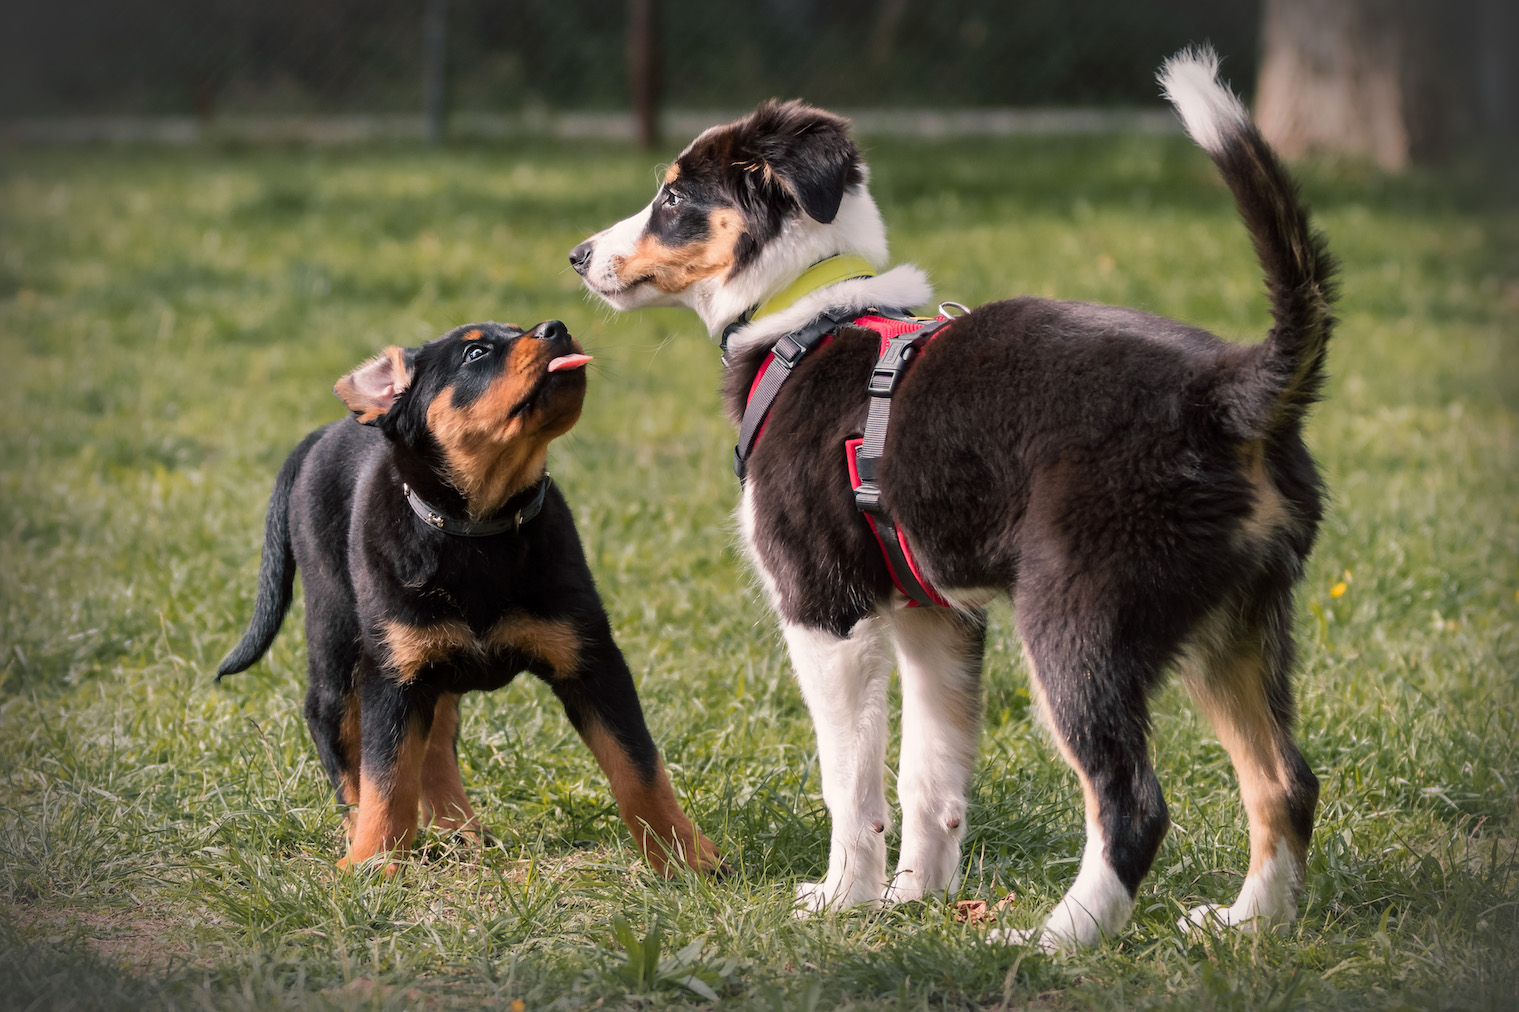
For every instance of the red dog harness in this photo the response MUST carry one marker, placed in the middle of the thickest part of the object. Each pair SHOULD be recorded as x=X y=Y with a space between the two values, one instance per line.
x=901 y=339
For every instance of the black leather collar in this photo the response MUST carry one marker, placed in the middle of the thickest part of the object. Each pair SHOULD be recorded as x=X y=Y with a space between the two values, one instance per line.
x=506 y=519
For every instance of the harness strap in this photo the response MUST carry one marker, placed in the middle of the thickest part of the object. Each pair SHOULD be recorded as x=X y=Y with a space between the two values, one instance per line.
x=901 y=338
x=774 y=372
x=898 y=347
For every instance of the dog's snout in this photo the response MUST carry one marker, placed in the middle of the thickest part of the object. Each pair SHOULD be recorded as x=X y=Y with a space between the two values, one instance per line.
x=580 y=257
x=551 y=330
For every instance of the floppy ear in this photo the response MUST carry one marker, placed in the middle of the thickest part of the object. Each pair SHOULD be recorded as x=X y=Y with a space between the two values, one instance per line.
x=372 y=388
x=809 y=152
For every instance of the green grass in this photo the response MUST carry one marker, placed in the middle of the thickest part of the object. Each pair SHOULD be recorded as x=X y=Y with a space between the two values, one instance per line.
x=172 y=322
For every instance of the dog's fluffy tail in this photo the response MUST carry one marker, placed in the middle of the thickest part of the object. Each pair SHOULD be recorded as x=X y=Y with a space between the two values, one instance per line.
x=1289 y=365
x=276 y=571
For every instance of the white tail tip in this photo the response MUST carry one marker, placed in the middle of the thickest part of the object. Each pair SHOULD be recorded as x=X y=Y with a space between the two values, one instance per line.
x=1208 y=109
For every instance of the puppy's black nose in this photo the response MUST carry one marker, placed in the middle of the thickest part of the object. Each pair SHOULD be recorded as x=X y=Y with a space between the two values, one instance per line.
x=551 y=330
x=580 y=257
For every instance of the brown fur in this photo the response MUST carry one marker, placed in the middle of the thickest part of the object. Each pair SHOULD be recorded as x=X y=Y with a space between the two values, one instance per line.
x=444 y=802
x=676 y=268
x=649 y=808
x=413 y=648
x=551 y=640
x=388 y=798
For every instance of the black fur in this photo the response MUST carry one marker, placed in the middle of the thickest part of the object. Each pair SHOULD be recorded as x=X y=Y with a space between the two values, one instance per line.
x=338 y=513
x=784 y=158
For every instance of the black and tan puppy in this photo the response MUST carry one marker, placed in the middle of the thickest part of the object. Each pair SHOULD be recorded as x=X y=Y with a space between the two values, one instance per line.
x=438 y=558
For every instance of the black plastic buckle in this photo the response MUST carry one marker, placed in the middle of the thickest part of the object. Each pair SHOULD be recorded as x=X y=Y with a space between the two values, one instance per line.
x=884 y=380
x=738 y=463
x=788 y=351
x=867 y=498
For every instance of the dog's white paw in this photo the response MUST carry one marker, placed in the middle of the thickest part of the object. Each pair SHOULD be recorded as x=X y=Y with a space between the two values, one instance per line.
x=1037 y=937
x=1211 y=916
x=811 y=898
x=817 y=897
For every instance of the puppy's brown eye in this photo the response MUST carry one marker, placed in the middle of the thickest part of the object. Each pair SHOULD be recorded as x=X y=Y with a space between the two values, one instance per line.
x=671 y=198
x=477 y=351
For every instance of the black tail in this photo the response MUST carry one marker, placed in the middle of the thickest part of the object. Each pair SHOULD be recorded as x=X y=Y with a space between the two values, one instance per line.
x=1289 y=366
x=276 y=571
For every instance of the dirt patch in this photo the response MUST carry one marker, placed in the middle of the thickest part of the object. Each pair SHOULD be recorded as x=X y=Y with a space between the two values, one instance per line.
x=139 y=939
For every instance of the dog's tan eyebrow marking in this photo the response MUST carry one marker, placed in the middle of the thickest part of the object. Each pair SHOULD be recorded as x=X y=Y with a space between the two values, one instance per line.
x=472 y=335
x=413 y=648
x=672 y=173
x=548 y=639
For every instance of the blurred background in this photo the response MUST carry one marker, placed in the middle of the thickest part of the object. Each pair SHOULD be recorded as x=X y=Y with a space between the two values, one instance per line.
x=1393 y=80
x=211 y=209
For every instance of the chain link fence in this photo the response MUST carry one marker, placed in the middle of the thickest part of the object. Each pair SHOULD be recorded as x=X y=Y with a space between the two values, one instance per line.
x=210 y=59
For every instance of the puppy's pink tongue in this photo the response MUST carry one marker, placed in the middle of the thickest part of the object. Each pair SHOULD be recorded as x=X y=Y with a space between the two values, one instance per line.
x=568 y=362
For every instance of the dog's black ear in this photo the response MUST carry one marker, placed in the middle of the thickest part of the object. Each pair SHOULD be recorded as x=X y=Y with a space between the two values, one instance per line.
x=809 y=153
x=372 y=388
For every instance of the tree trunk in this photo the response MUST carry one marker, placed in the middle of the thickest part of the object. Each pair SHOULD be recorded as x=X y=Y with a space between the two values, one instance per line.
x=1358 y=78
x=643 y=68
x=434 y=69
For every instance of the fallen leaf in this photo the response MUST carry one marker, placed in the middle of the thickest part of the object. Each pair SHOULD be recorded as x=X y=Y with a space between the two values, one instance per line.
x=972 y=911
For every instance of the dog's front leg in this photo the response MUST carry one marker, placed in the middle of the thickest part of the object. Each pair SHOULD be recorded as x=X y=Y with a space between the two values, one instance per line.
x=596 y=688
x=844 y=683
x=394 y=724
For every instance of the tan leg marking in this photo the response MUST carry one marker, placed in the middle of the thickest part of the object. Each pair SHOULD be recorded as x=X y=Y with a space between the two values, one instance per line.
x=1228 y=684
x=554 y=641
x=388 y=799
x=413 y=648
x=444 y=802
x=663 y=833
x=1088 y=795
x=348 y=780
x=1270 y=513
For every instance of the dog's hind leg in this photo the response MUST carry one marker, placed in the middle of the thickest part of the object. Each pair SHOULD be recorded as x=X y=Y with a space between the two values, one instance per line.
x=332 y=702
x=939 y=655
x=1240 y=675
x=844 y=683
x=444 y=803
x=1093 y=693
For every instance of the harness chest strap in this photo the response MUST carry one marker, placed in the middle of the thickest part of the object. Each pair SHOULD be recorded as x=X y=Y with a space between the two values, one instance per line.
x=900 y=339
x=774 y=372
x=898 y=347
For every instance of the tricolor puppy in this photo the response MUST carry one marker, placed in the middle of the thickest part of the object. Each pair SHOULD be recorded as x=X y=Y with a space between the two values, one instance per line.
x=1139 y=488
x=438 y=558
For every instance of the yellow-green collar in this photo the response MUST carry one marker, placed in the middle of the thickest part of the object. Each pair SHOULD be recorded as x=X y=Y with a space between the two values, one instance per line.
x=839 y=267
